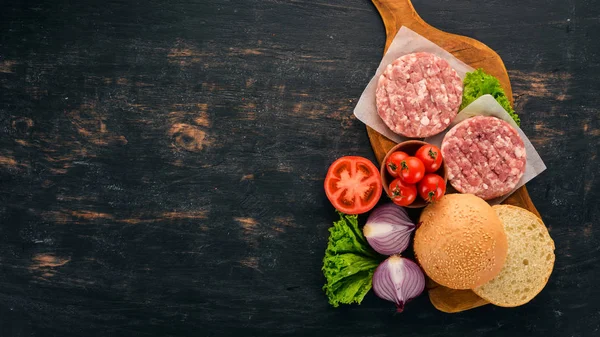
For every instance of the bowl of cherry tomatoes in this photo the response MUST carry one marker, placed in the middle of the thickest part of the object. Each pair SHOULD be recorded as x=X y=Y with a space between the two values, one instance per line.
x=413 y=174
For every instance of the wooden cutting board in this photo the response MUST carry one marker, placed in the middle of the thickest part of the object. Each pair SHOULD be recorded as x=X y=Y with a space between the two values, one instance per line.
x=398 y=13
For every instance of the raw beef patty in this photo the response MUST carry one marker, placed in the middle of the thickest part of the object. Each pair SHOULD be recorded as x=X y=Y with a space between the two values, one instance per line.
x=484 y=156
x=418 y=95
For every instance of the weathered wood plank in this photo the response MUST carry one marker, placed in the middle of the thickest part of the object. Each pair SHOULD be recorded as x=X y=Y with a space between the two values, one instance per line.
x=161 y=165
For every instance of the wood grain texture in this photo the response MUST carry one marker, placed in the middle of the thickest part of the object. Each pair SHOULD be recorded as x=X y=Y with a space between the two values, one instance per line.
x=398 y=13
x=161 y=164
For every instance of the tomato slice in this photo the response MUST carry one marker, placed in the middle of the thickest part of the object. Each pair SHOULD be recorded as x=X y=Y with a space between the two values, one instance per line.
x=353 y=185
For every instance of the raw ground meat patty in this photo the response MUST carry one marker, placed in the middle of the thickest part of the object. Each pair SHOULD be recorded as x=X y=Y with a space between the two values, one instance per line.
x=418 y=95
x=484 y=156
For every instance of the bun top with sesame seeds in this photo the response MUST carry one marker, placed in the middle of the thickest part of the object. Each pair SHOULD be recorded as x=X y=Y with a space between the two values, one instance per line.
x=460 y=242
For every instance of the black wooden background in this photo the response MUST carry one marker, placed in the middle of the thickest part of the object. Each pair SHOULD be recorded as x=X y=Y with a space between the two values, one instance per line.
x=161 y=163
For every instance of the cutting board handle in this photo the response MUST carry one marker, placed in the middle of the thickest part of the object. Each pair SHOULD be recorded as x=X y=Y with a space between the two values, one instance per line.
x=395 y=14
x=398 y=13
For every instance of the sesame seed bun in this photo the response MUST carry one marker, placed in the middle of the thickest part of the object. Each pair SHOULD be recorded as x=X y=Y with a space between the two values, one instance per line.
x=460 y=242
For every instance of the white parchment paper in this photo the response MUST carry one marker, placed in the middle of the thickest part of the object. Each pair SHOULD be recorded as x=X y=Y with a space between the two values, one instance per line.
x=405 y=42
x=486 y=105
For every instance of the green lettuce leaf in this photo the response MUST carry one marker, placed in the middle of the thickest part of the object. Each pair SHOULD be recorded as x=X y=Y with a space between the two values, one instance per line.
x=349 y=262
x=478 y=83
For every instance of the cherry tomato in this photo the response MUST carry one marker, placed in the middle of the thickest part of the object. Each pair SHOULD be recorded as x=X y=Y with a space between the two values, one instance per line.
x=401 y=193
x=411 y=170
x=353 y=185
x=431 y=156
x=393 y=162
x=432 y=187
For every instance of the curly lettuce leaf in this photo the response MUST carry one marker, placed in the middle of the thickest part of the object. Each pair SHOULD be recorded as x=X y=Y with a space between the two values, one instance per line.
x=349 y=262
x=478 y=83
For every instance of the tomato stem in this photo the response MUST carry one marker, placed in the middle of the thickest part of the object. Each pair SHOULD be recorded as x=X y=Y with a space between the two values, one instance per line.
x=397 y=192
x=404 y=165
x=432 y=154
x=430 y=195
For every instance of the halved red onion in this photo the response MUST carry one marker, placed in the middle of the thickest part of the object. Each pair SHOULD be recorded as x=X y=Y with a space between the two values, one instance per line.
x=388 y=229
x=398 y=280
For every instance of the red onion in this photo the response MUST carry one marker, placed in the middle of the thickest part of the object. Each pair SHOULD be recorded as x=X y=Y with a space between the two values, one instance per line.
x=398 y=280
x=388 y=229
